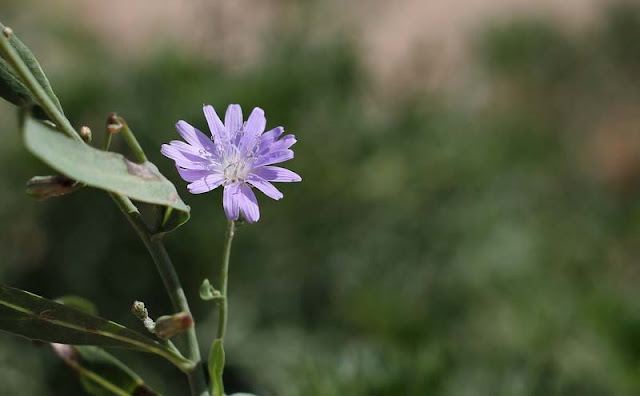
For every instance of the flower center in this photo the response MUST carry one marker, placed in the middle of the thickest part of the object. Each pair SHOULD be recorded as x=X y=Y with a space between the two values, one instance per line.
x=236 y=167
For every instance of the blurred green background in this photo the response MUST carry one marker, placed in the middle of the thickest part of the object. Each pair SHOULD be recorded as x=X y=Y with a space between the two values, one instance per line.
x=468 y=232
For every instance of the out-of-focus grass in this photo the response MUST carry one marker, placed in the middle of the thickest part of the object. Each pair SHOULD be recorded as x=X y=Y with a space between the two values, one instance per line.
x=432 y=248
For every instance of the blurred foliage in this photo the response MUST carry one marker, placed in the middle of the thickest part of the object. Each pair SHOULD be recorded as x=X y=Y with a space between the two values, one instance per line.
x=433 y=248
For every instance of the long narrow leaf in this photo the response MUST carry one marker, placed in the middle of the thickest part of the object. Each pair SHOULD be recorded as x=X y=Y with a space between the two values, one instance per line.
x=101 y=373
x=37 y=318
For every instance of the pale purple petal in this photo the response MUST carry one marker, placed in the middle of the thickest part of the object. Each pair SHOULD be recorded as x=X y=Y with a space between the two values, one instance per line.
x=192 y=175
x=206 y=184
x=267 y=138
x=185 y=160
x=233 y=118
x=216 y=127
x=187 y=148
x=194 y=137
x=284 y=143
x=230 y=201
x=253 y=128
x=256 y=122
x=267 y=188
x=277 y=174
x=248 y=204
x=274 y=157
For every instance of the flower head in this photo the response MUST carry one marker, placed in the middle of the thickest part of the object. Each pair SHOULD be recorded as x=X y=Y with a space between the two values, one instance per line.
x=238 y=156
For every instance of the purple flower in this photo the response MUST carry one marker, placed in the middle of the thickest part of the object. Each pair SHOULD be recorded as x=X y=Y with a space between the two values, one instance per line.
x=238 y=156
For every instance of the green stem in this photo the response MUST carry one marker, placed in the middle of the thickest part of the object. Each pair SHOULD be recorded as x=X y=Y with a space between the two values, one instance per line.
x=36 y=89
x=172 y=284
x=132 y=142
x=224 y=275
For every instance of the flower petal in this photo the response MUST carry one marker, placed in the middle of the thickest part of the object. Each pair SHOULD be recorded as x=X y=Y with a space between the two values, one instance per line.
x=248 y=204
x=268 y=138
x=284 y=143
x=207 y=183
x=192 y=175
x=267 y=188
x=256 y=122
x=218 y=131
x=183 y=159
x=271 y=135
x=230 y=201
x=233 y=118
x=253 y=128
x=277 y=174
x=274 y=157
x=194 y=137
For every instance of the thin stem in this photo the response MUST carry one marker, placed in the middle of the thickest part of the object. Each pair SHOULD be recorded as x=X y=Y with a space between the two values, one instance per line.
x=36 y=89
x=106 y=142
x=224 y=275
x=132 y=142
x=172 y=285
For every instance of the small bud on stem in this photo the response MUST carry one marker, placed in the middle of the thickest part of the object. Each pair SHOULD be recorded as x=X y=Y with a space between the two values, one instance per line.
x=113 y=123
x=140 y=311
x=44 y=187
x=85 y=132
x=8 y=32
x=170 y=326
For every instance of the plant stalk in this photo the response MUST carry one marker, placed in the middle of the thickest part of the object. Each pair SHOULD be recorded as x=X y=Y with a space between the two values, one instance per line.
x=172 y=285
x=224 y=275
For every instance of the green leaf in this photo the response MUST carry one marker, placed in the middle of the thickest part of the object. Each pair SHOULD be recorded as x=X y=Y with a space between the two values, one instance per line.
x=14 y=91
x=34 y=67
x=216 y=367
x=101 y=373
x=37 y=318
x=105 y=170
x=11 y=88
x=79 y=303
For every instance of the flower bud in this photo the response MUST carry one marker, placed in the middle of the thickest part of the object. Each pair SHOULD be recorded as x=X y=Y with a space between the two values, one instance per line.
x=139 y=310
x=170 y=326
x=44 y=187
x=85 y=132
x=113 y=123
x=208 y=292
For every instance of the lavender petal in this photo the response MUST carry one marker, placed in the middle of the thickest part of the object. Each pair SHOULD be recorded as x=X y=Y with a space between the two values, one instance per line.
x=233 y=118
x=277 y=174
x=267 y=188
x=274 y=157
x=218 y=131
x=194 y=137
x=283 y=144
x=248 y=204
x=206 y=184
x=192 y=175
x=230 y=201
x=253 y=128
x=267 y=138
x=185 y=160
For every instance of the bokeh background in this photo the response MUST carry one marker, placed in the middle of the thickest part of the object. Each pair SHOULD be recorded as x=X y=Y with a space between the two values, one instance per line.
x=469 y=219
